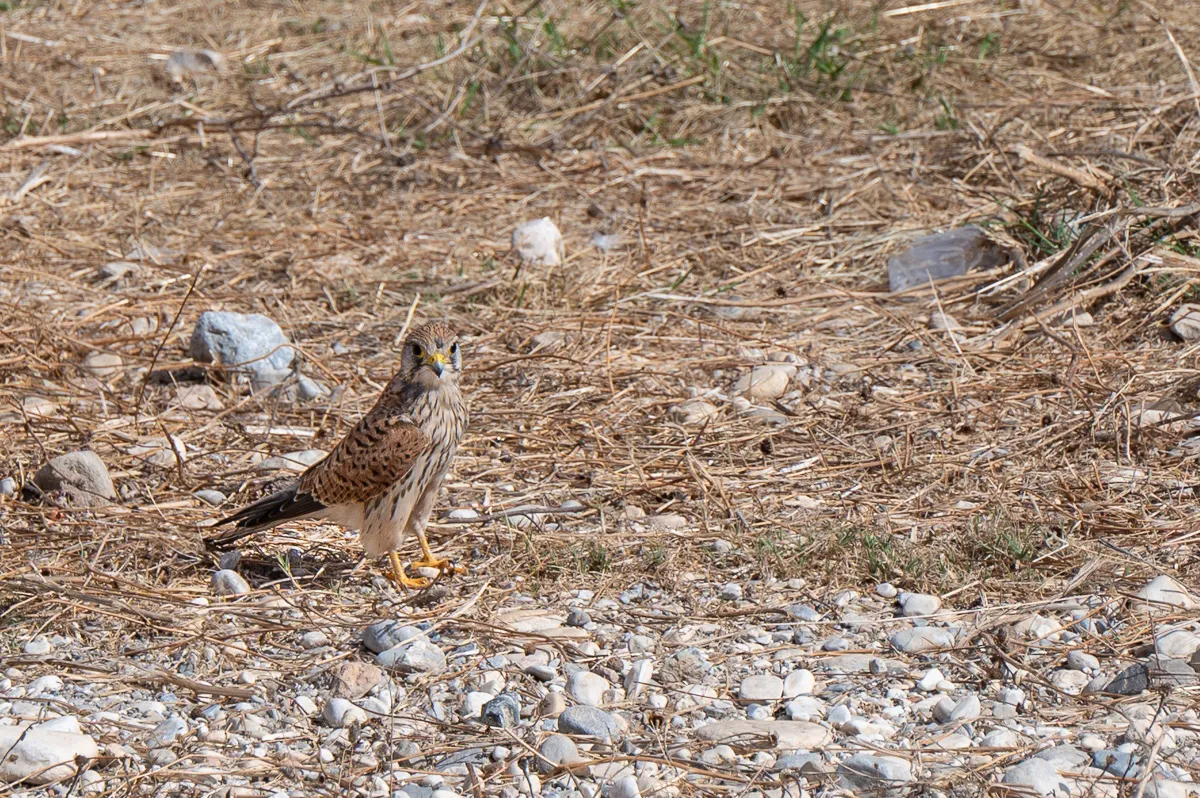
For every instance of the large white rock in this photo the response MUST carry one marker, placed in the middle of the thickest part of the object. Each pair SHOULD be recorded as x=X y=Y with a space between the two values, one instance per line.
x=765 y=382
x=1162 y=593
x=40 y=755
x=539 y=242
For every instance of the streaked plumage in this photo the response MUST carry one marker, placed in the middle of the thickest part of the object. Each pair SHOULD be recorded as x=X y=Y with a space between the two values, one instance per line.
x=383 y=477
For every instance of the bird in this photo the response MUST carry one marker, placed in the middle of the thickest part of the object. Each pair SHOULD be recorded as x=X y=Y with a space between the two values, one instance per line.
x=383 y=477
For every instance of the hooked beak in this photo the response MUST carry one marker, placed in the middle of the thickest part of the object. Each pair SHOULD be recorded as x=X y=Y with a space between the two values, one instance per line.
x=437 y=362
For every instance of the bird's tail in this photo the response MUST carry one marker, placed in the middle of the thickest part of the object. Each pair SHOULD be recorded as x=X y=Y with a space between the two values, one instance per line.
x=269 y=511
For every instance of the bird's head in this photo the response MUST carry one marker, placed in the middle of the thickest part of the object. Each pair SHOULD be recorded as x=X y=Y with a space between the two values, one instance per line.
x=431 y=355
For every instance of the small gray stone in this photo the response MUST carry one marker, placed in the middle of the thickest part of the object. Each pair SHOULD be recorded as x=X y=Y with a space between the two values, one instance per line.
x=1119 y=763
x=311 y=640
x=213 y=498
x=921 y=639
x=731 y=592
x=912 y=604
x=942 y=255
x=229 y=560
x=835 y=644
x=229 y=583
x=8 y=487
x=503 y=711
x=1131 y=681
x=578 y=618
x=870 y=773
x=38 y=646
x=1078 y=660
x=416 y=656
x=252 y=343
x=557 y=749
x=804 y=762
x=81 y=477
x=308 y=389
x=886 y=590
x=382 y=635
x=165 y=733
x=1185 y=322
x=589 y=721
x=1171 y=673
x=967 y=708
x=1038 y=775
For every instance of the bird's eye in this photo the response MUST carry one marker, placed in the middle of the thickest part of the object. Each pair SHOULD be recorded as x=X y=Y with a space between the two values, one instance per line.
x=418 y=351
x=454 y=349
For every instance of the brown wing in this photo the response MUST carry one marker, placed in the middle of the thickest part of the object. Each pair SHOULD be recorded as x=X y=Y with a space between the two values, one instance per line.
x=371 y=458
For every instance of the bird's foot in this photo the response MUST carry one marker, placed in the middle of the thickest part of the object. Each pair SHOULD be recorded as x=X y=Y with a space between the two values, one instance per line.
x=402 y=580
x=442 y=565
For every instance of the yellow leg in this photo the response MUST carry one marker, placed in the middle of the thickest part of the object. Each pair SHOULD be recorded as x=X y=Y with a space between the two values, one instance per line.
x=430 y=560
x=398 y=577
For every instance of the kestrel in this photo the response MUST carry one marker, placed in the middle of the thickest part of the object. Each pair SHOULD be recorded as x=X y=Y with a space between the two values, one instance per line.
x=383 y=477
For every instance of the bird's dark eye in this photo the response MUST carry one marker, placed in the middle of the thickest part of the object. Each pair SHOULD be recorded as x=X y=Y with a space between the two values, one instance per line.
x=418 y=351
x=454 y=349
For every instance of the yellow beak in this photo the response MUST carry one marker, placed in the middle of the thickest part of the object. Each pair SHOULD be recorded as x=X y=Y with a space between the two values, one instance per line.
x=437 y=361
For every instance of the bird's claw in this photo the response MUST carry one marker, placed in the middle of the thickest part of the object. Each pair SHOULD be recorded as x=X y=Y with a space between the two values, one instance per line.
x=442 y=566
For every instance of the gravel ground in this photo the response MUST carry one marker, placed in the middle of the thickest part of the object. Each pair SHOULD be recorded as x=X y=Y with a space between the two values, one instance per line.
x=748 y=688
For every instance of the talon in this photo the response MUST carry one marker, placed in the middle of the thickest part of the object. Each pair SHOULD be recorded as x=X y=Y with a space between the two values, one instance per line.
x=400 y=579
x=445 y=566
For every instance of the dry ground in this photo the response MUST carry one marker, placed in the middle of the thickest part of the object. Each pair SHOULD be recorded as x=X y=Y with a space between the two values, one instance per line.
x=759 y=162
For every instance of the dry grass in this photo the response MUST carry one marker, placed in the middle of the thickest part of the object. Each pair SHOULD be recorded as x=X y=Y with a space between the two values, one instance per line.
x=736 y=157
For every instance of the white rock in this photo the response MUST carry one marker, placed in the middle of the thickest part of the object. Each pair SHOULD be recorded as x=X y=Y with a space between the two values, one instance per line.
x=38 y=646
x=1185 y=322
x=292 y=461
x=766 y=382
x=103 y=364
x=876 y=775
x=229 y=583
x=693 y=412
x=799 y=682
x=921 y=639
x=638 y=677
x=930 y=681
x=340 y=713
x=587 y=688
x=760 y=689
x=1038 y=775
x=1070 y=682
x=40 y=756
x=473 y=702
x=1177 y=644
x=45 y=684
x=1162 y=593
x=539 y=243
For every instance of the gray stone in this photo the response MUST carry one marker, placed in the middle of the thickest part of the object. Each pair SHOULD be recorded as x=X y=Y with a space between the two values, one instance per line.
x=589 y=721
x=912 y=604
x=886 y=590
x=578 y=618
x=250 y=343
x=213 y=498
x=503 y=711
x=311 y=640
x=1185 y=322
x=922 y=639
x=1119 y=763
x=38 y=646
x=731 y=592
x=557 y=749
x=1038 y=775
x=1063 y=755
x=875 y=774
x=1131 y=681
x=415 y=656
x=8 y=487
x=1082 y=661
x=81 y=477
x=968 y=708
x=1171 y=673
x=103 y=364
x=804 y=762
x=382 y=635
x=165 y=733
x=787 y=735
x=229 y=583
x=942 y=255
